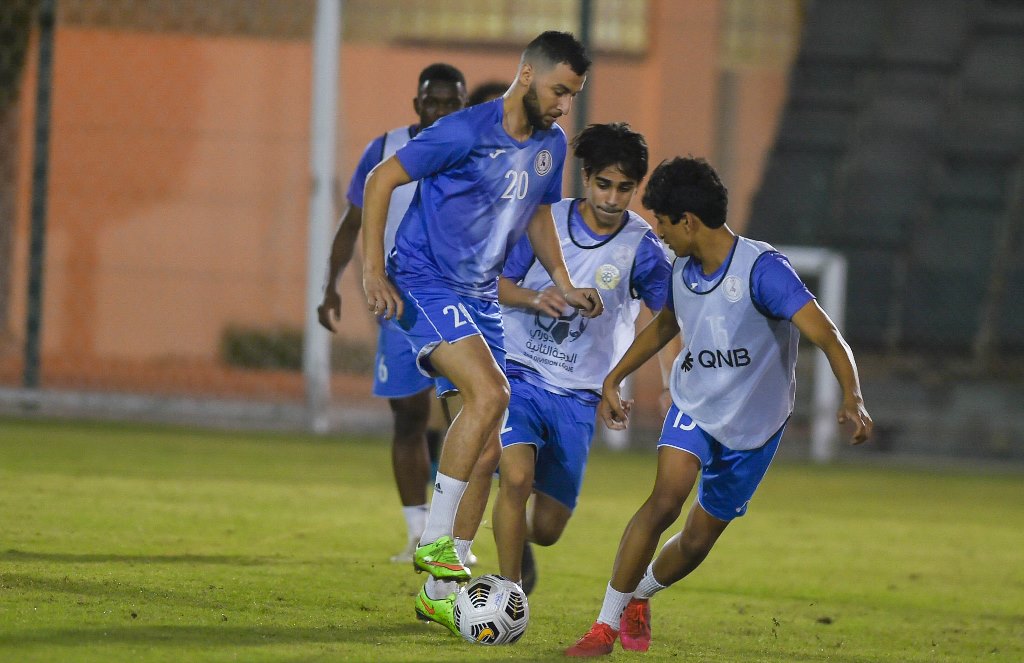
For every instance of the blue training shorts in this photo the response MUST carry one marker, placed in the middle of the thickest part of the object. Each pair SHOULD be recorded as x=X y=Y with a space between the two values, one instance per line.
x=435 y=315
x=728 y=477
x=395 y=374
x=560 y=428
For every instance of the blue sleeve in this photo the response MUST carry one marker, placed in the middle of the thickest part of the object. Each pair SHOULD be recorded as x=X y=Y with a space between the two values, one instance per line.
x=554 y=192
x=367 y=162
x=439 y=147
x=776 y=288
x=652 y=273
x=520 y=258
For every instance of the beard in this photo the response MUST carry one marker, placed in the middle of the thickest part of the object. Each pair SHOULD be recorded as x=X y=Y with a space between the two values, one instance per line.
x=531 y=104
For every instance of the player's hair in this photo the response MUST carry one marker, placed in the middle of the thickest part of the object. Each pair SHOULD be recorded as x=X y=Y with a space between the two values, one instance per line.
x=486 y=91
x=441 y=71
x=687 y=184
x=602 y=146
x=552 y=47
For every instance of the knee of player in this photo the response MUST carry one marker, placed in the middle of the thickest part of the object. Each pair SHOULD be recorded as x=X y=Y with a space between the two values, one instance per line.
x=665 y=507
x=547 y=534
x=489 y=400
x=516 y=480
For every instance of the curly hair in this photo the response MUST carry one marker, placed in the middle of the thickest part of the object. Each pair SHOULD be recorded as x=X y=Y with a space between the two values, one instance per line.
x=687 y=184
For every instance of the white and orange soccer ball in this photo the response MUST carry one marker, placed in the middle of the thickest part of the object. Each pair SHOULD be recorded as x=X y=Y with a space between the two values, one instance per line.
x=491 y=610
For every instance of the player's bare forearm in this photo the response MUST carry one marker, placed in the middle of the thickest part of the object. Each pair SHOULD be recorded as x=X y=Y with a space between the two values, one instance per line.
x=342 y=248
x=652 y=338
x=548 y=301
x=548 y=248
x=380 y=184
x=381 y=296
x=819 y=329
x=344 y=244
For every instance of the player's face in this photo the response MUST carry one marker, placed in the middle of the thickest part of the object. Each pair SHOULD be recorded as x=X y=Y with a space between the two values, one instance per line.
x=677 y=236
x=437 y=99
x=609 y=192
x=550 y=95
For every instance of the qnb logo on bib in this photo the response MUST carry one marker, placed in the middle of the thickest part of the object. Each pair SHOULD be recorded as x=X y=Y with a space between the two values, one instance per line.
x=734 y=358
x=569 y=326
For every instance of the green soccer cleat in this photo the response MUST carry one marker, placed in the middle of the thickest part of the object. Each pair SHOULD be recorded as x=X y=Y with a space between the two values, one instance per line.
x=436 y=610
x=440 y=560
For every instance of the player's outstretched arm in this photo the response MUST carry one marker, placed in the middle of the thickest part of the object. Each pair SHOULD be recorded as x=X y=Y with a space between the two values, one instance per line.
x=819 y=329
x=548 y=249
x=381 y=296
x=342 y=248
x=548 y=301
x=613 y=411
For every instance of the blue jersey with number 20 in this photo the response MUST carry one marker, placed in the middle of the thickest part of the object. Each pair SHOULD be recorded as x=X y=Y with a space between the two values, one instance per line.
x=478 y=190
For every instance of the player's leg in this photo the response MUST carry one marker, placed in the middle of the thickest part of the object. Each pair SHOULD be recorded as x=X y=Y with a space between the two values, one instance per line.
x=727 y=484
x=410 y=464
x=469 y=515
x=448 y=333
x=398 y=379
x=515 y=485
x=682 y=450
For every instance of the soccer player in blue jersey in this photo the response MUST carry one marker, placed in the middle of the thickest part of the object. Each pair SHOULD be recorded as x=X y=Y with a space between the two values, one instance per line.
x=740 y=309
x=441 y=90
x=487 y=175
x=558 y=359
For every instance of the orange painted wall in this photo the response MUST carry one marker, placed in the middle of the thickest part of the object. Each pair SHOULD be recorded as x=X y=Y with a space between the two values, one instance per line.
x=179 y=168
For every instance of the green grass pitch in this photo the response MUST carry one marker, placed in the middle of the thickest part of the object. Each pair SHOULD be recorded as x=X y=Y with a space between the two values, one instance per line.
x=159 y=544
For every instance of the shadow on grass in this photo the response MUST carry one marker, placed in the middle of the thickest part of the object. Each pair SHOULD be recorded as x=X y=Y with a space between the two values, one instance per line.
x=13 y=555
x=117 y=590
x=225 y=635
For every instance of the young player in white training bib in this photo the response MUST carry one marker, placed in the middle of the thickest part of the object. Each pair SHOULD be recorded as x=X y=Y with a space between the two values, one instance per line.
x=556 y=358
x=740 y=309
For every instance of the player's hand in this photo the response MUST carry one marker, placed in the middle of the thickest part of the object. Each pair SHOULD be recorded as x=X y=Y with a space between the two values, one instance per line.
x=329 y=311
x=587 y=300
x=863 y=425
x=549 y=301
x=381 y=296
x=612 y=410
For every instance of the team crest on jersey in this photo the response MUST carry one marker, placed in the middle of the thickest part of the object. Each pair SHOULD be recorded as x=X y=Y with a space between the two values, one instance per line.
x=607 y=277
x=542 y=164
x=733 y=288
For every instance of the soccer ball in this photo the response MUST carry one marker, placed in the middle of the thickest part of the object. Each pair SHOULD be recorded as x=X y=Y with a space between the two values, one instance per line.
x=491 y=610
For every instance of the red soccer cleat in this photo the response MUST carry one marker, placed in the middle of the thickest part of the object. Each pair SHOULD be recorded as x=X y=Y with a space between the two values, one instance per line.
x=635 y=626
x=598 y=641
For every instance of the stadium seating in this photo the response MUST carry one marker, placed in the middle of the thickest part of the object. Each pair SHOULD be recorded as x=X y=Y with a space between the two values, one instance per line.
x=902 y=145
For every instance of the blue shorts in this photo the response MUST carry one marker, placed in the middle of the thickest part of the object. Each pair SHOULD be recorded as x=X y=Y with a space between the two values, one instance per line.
x=728 y=477
x=560 y=428
x=395 y=374
x=435 y=315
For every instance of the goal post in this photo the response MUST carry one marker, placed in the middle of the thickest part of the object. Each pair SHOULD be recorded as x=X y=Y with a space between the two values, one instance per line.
x=829 y=268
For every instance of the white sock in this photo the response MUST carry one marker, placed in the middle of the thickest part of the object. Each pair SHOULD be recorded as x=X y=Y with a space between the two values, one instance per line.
x=444 y=504
x=438 y=589
x=462 y=547
x=614 y=603
x=649 y=585
x=415 y=520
